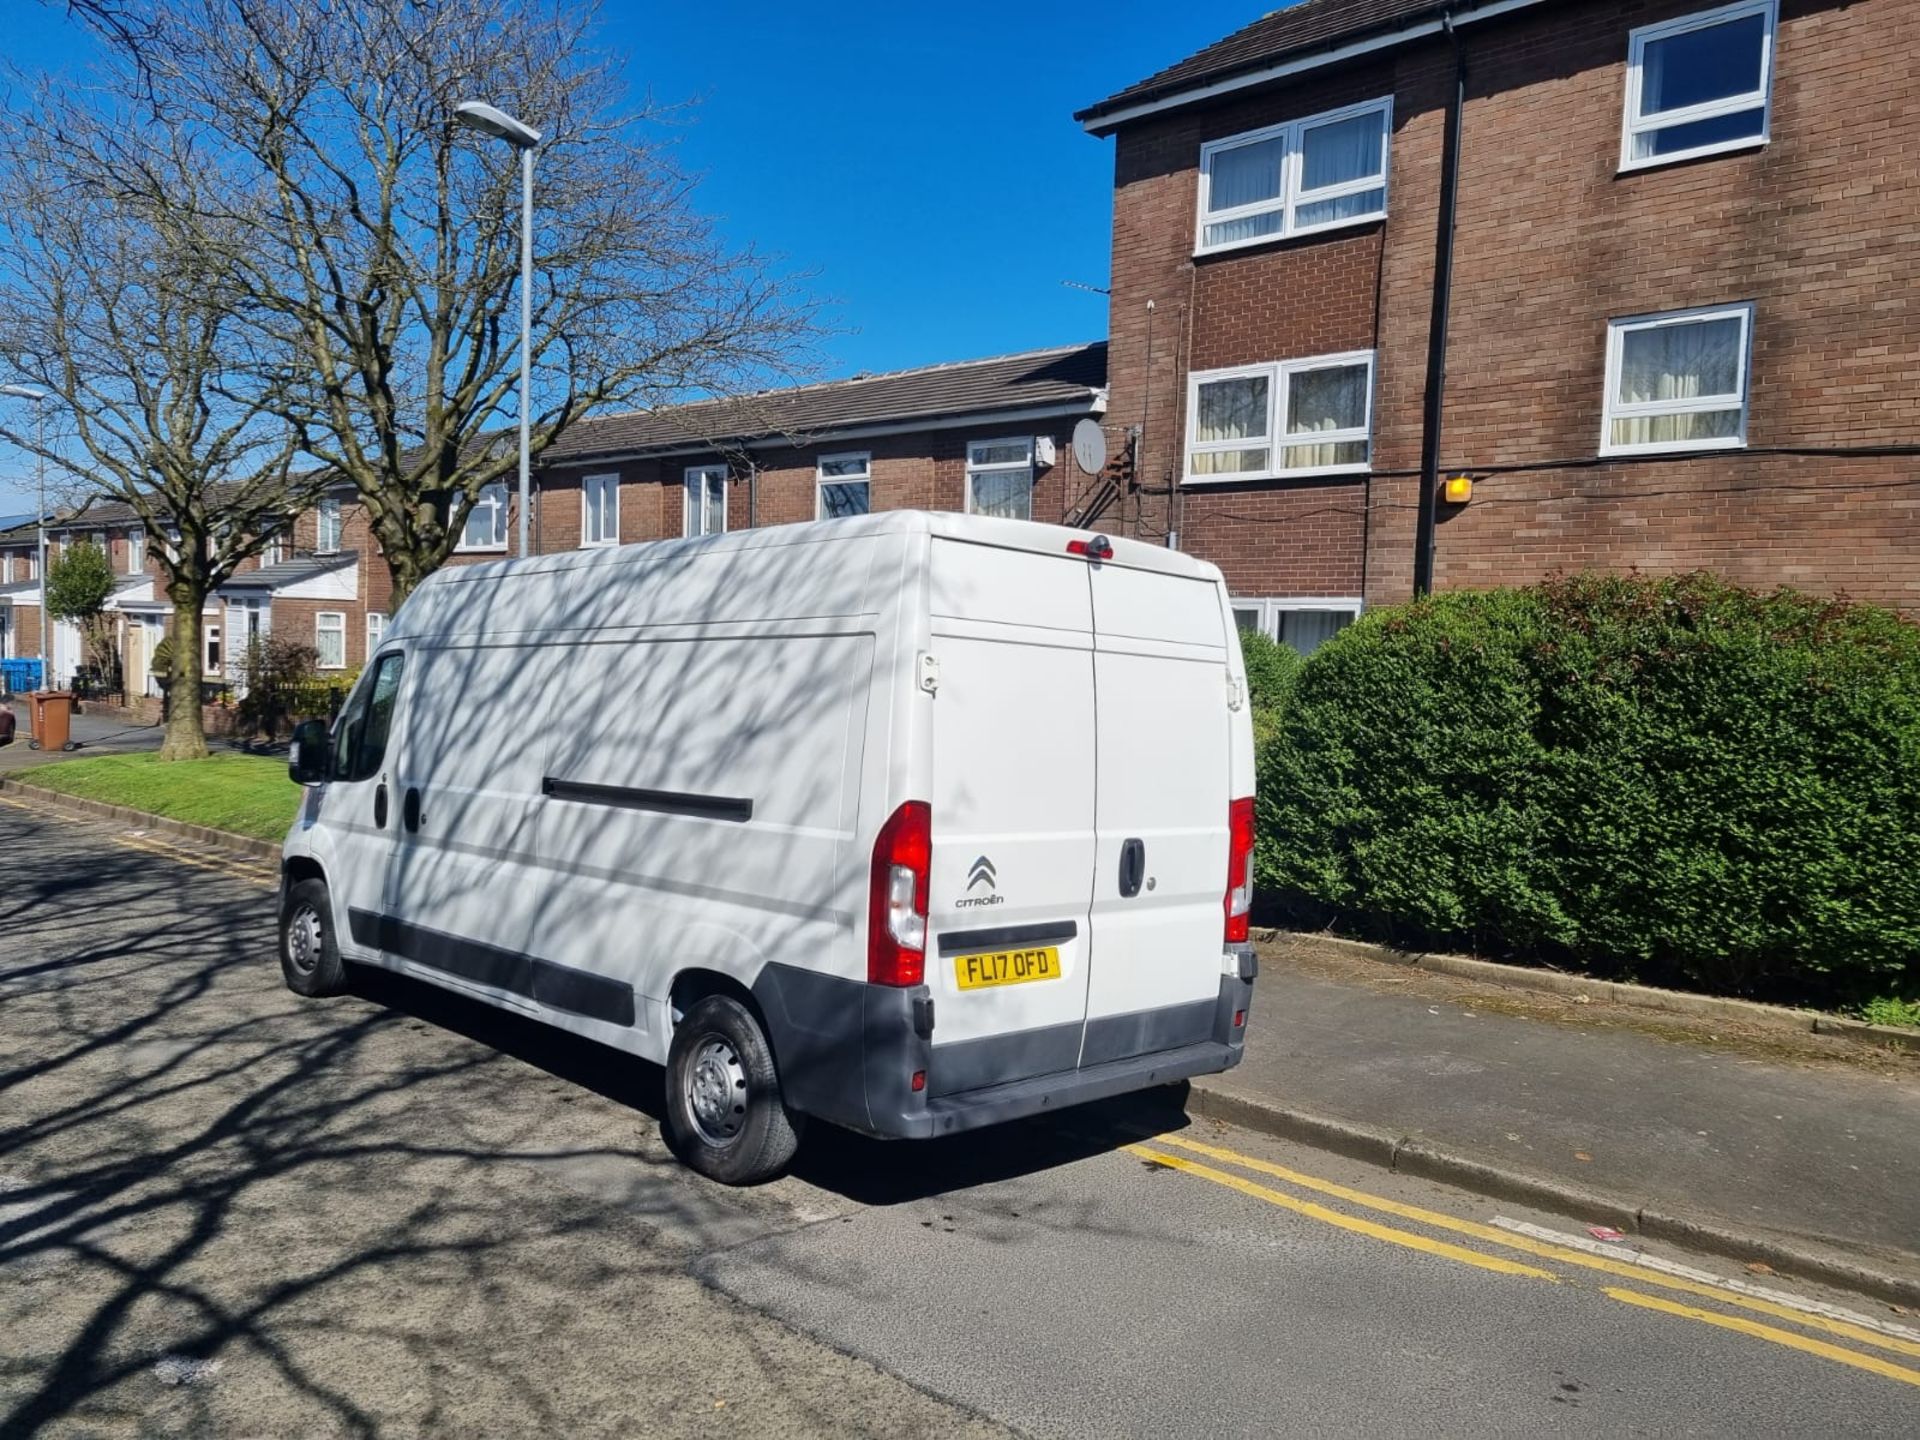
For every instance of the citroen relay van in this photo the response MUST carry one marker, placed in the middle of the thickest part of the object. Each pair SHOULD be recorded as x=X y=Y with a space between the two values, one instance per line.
x=910 y=823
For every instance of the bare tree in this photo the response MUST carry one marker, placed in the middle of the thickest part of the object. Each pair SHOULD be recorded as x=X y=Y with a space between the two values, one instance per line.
x=136 y=330
x=377 y=240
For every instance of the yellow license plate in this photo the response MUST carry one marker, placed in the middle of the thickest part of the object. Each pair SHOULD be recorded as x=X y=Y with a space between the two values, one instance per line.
x=1007 y=967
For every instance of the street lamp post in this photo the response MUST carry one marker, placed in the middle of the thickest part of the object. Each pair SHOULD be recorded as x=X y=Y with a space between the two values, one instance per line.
x=502 y=126
x=39 y=399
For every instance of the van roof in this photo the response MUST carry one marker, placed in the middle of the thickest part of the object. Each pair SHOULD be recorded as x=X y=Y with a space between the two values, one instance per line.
x=1025 y=535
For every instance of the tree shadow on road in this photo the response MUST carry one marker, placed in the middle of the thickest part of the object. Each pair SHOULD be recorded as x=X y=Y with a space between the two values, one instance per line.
x=365 y=1210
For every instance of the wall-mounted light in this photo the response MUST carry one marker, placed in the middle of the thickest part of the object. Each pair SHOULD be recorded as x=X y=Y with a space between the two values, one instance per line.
x=1458 y=489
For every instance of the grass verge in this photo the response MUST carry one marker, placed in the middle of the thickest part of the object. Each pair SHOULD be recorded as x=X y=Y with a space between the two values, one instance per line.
x=247 y=794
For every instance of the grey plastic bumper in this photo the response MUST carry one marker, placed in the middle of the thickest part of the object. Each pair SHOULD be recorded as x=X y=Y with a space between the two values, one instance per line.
x=847 y=1052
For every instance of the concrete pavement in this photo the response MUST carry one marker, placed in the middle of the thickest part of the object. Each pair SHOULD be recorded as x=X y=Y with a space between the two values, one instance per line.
x=1770 y=1134
x=227 y=1211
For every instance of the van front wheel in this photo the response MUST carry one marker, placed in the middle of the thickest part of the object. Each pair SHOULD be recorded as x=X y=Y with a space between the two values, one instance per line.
x=725 y=1116
x=309 y=957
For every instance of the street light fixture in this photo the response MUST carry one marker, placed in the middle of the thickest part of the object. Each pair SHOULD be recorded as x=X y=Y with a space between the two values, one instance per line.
x=502 y=126
x=39 y=399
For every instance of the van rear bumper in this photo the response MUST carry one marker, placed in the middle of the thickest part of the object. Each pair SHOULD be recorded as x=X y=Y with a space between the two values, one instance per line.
x=1018 y=1099
x=847 y=1052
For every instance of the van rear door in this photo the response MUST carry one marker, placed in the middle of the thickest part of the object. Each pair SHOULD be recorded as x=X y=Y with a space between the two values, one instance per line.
x=1162 y=739
x=1013 y=811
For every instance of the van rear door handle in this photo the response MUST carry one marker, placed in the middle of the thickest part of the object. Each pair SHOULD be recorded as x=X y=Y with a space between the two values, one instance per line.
x=1133 y=867
x=380 y=806
x=410 y=808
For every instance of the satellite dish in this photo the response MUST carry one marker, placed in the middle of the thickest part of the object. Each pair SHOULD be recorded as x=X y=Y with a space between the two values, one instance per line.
x=1089 y=446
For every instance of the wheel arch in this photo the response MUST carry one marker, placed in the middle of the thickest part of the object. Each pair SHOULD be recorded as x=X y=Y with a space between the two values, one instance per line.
x=295 y=868
x=698 y=982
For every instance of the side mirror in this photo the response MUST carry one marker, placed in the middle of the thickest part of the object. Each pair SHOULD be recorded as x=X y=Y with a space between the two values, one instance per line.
x=310 y=756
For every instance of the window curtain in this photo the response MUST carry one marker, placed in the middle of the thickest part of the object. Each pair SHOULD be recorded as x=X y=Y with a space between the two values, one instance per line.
x=1332 y=399
x=1679 y=362
x=1234 y=409
x=1307 y=630
x=1006 y=493
x=1335 y=154
x=1245 y=175
x=706 y=502
x=484 y=524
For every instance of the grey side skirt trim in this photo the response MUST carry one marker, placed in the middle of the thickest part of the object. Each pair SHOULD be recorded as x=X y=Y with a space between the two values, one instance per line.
x=561 y=987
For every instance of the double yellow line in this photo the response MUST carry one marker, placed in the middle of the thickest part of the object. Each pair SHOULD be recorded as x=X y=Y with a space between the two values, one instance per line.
x=234 y=869
x=255 y=873
x=1163 y=1150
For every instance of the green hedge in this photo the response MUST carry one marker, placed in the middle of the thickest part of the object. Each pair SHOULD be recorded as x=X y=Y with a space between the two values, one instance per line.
x=1676 y=780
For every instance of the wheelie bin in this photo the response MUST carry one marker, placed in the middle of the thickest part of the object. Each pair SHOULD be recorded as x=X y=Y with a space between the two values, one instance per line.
x=52 y=720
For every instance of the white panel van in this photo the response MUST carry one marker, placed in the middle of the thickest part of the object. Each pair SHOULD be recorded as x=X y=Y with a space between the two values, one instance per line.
x=910 y=823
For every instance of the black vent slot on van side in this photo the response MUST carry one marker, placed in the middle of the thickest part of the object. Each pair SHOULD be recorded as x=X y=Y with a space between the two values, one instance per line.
x=666 y=802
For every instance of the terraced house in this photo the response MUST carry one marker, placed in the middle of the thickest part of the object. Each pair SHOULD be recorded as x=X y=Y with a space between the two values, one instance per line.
x=989 y=436
x=1643 y=272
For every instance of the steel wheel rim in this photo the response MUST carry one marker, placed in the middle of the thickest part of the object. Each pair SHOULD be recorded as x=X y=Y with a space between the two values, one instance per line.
x=305 y=939
x=715 y=1090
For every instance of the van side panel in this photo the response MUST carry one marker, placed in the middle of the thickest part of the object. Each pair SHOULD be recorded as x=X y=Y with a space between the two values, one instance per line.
x=693 y=815
x=465 y=805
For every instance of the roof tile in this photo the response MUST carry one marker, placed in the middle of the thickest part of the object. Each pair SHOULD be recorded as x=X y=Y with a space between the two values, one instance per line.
x=1066 y=375
x=1311 y=25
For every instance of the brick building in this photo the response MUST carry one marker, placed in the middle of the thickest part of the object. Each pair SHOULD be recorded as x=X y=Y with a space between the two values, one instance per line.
x=1674 y=325
x=983 y=435
x=989 y=435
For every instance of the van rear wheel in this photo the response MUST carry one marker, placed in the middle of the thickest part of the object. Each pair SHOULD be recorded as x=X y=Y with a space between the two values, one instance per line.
x=725 y=1114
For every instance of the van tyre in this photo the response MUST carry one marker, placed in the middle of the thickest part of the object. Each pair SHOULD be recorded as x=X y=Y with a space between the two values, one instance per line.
x=725 y=1114
x=309 y=955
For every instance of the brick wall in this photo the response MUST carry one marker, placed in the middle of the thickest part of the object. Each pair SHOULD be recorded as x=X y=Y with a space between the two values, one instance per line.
x=1552 y=240
x=923 y=470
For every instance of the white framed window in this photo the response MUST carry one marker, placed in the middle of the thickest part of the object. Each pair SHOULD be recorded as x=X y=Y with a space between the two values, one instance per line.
x=706 y=502
x=376 y=632
x=136 y=551
x=330 y=639
x=1304 y=623
x=1295 y=179
x=486 y=523
x=273 y=552
x=210 y=639
x=1699 y=85
x=1677 y=381
x=327 y=536
x=1291 y=417
x=1000 y=478
x=600 y=510
x=844 y=484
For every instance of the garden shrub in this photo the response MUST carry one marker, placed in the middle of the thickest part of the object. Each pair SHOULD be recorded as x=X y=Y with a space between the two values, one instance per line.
x=1271 y=670
x=1675 y=780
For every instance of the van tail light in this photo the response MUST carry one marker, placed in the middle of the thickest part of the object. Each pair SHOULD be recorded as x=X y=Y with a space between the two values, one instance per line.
x=1239 y=869
x=897 y=901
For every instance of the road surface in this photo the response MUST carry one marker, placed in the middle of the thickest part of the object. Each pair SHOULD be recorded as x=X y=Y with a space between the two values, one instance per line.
x=226 y=1211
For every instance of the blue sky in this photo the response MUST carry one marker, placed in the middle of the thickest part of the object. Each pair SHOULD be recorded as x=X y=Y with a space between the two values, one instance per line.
x=920 y=161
